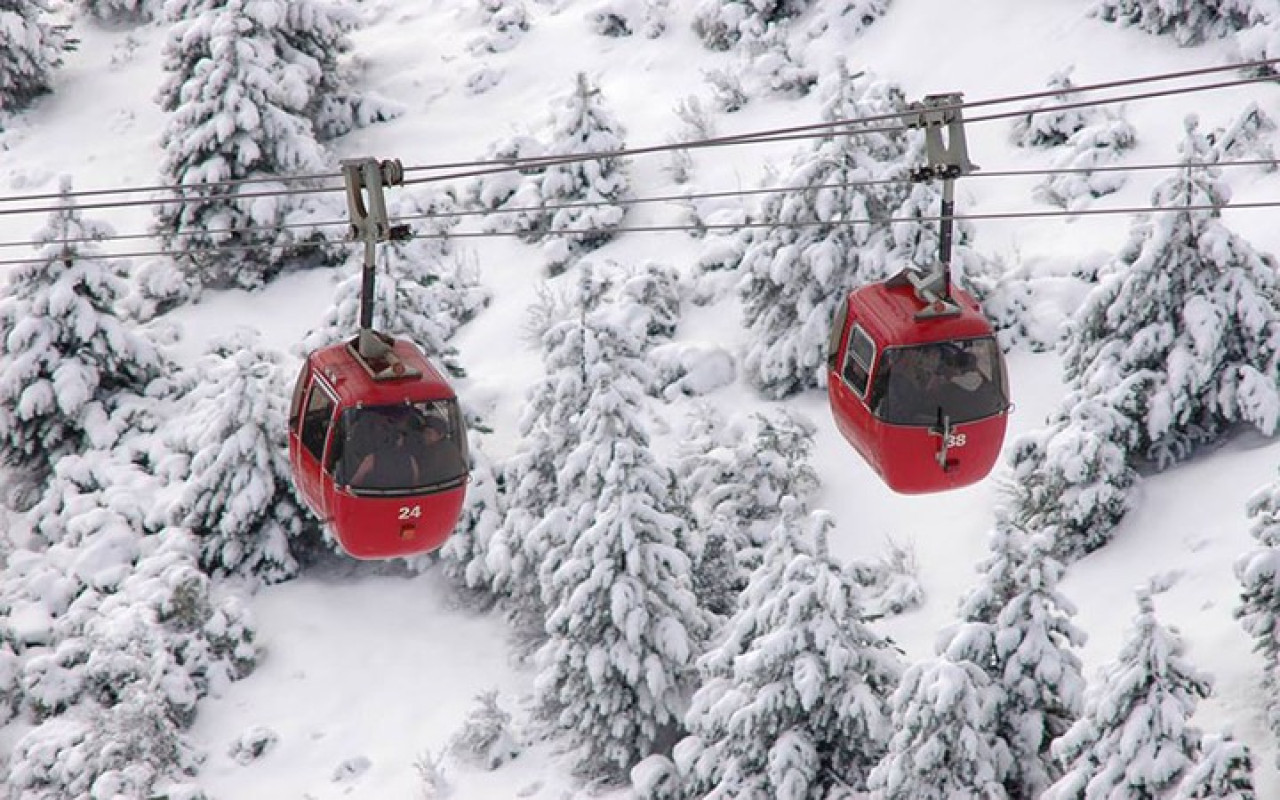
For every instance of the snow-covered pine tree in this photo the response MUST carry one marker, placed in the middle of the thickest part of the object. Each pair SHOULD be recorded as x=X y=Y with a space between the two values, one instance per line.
x=569 y=207
x=1046 y=123
x=1095 y=145
x=424 y=290
x=628 y=17
x=33 y=50
x=655 y=288
x=736 y=473
x=623 y=625
x=1224 y=772
x=1016 y=627
x=122 y=635
x=549 y=429
x=1259 y=611
x=65 y=357
x=238 y=496
x=794 y=276
x=581 y=123
x=122 y=11
x=464 y=556
x=945 y=745
x=1134 y=739
x=794 y=698
x=721 y=24
x=237 y=114
x=313 y=37
x=1179 y=341
x=1189 y=22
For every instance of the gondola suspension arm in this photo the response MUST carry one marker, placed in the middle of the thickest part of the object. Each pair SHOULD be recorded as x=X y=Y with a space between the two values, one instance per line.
x=948 y=159
x=366 y=177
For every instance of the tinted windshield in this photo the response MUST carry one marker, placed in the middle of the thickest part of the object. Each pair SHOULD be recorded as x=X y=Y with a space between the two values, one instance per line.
x=962 y=380
x=401 y=448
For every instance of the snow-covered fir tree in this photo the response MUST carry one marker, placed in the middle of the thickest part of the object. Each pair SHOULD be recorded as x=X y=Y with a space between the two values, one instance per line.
x=549 y=429
x=313 y=37
x=65 y=357
x=721 y=24
x=424 y=290
x=121 y=636
x=1178 y=342
x=655 y=288
x=1189 y=22
x=736 y=473
x=238 y=496
x=238 y=113
x=571 y=207
x=464 y=556
x=123 y=11
x=486 y=739
x=617 y=18
x=1016 y=626
x=623 y=625
x=945 y=746
x=1135 y=739
x=1224 y=772
x=1050 y=121
x=795 y=273
x=794 y=700
x=1096 y=145
x=33 y=50
x=1259 y=611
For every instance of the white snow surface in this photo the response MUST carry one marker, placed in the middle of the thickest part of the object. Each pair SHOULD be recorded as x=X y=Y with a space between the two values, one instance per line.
x=365 y=670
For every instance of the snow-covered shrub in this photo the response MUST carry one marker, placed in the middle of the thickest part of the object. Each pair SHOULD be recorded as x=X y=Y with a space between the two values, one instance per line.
x=253 y=744
x=1189 y=22
x=486 y=739
x=691 y=368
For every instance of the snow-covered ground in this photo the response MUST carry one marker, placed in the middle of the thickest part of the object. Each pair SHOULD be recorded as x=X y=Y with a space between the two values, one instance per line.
x=366 y=670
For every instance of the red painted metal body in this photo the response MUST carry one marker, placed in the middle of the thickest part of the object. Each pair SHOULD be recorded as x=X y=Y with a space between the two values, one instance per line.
x=370 y=524
x=948 y=446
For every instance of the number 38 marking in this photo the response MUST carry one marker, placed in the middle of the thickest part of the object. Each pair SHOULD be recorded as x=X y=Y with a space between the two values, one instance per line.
x=410 y=512
x=956 y=440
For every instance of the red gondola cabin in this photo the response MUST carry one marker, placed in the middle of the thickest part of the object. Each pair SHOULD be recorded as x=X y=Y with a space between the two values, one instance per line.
x=378 y=448
x=919 y=391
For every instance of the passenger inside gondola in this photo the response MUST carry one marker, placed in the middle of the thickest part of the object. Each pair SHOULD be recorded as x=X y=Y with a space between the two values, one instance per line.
x=399 y=448
x=958 y=380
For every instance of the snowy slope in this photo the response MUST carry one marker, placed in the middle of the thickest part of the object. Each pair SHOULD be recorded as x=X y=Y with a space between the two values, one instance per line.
x=364 y=663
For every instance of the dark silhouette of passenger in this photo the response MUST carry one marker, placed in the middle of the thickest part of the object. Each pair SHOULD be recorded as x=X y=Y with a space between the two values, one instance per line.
x=394 y=465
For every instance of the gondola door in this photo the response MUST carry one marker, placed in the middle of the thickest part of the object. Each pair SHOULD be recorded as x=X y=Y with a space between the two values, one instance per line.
x=311 y=421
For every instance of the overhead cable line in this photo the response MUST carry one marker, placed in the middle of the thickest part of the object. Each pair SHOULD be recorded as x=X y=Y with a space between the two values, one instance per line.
x=1125 y=98
x=843 y=127
x=819 y=129
x=124 y=237
x=165 y=201
x=228 y=184
x=671 y=198
x=816 y=130
x=701 y=228
x=809 y=131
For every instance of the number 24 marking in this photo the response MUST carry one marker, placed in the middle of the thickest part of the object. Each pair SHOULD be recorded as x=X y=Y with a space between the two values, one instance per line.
x=410 y=512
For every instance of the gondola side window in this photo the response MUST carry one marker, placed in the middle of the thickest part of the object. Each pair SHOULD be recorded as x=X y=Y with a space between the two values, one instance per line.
x=299 y=389
x=315 y=422
x=857 y=363
x=837 y=331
